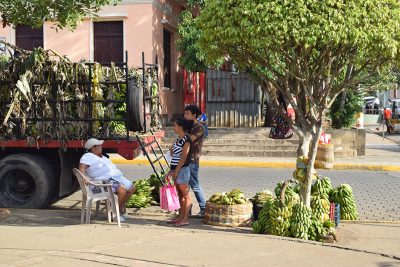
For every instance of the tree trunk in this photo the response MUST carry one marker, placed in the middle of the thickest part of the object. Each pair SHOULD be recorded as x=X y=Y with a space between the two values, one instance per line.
x=342 y=97
x=304 y=143
x=268 y=109
x=305 y=190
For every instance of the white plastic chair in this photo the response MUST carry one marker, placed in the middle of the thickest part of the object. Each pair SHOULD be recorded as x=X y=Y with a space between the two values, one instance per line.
x=88 y=197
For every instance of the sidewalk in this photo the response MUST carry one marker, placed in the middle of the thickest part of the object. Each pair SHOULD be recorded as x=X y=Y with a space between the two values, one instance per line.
x=55 y=238
x=381 y=155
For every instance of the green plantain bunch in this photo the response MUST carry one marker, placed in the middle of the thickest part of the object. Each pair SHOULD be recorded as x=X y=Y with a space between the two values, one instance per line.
x=234 y=197
x=344 y=196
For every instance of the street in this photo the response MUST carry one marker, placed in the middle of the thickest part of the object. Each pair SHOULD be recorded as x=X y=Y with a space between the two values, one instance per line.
x=376 y=193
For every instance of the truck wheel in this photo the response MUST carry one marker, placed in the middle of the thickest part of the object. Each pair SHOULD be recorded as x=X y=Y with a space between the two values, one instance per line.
x=135 y=108
x=26 y=181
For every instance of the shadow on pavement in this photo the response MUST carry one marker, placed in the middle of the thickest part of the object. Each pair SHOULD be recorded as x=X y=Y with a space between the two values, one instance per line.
x=67 y=217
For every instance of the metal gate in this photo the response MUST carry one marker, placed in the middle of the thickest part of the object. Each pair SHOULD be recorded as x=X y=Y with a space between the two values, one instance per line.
x=233 y=100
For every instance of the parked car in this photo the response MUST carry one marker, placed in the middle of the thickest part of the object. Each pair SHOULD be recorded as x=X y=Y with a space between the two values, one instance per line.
x=371 y=105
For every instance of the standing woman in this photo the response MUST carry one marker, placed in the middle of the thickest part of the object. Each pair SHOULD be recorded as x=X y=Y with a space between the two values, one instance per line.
x=180 y=152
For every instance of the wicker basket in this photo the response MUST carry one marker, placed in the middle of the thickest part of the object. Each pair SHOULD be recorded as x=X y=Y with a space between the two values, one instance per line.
x=325 y=157
x=228 y=215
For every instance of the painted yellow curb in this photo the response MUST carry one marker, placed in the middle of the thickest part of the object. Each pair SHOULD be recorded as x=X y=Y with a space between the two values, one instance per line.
x=277 y=165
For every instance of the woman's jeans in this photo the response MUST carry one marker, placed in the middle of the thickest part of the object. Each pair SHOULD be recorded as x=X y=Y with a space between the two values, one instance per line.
x=195 y=185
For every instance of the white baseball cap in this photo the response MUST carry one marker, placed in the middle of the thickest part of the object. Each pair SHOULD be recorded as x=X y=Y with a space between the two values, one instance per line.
x=93 y=142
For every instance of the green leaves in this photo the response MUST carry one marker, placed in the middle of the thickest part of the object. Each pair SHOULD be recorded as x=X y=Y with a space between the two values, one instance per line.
x=305 y=48
x=64 y=13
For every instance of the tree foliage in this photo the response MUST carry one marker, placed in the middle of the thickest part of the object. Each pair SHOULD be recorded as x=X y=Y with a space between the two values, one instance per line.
x=193 y=58
x=309 y=51
x=64 y=13
x=344 y=117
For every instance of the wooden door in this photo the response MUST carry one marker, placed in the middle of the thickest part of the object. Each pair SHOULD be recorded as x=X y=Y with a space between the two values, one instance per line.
x=28 y=38
x=108 y=42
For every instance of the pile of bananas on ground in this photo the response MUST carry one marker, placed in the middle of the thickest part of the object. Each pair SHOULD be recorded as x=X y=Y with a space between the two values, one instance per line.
x=291 y=193
x=290 y=217
x=344 y=196
x=234 y=197
x=300 y=221
x=322 y=186
x=156 y=183
x=274 y=218
x=278 y=219
x=261 y=197
x=142 y=198
x=320 y=204
x=319 y=229
x=261 y=223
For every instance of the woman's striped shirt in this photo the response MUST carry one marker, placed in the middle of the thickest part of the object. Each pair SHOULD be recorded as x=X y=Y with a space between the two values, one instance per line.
x=177 y=151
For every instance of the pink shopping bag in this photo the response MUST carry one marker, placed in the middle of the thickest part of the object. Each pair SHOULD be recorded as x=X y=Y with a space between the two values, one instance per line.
x=163 y=200
x=169 y=199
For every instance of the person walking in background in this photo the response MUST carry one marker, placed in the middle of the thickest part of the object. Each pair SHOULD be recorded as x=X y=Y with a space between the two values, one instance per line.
x=192 y=112
x=387 y=115
x=180 y=158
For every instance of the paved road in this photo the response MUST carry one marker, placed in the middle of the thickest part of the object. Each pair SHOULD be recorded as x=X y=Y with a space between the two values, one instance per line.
x=376 y=193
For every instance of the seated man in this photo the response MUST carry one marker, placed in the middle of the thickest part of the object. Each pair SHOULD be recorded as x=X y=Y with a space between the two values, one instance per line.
x=98 y=167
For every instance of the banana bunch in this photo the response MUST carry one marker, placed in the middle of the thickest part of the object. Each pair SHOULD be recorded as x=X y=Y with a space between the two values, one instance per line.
x=234 y=197
x=154 y=181
x=320 y=206
x=262 y=197
x=142 y=198
x=291 y=197
x=259 y=225
x=300 y=221
x=322 y=186
x=344 y=196
x=300 y=174
x=278 y=219
x=316 y=229
x=140 y=201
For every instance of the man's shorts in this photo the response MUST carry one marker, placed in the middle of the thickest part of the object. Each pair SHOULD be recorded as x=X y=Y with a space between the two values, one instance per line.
x=118 y=180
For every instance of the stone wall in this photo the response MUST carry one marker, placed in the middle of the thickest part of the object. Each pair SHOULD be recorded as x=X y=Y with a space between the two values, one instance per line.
x=348 y=142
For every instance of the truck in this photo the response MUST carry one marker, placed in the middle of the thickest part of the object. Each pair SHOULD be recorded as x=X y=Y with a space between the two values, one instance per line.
x=49 y=107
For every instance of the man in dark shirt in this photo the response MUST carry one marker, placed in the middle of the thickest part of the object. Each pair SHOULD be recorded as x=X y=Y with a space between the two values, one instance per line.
x=192 y=112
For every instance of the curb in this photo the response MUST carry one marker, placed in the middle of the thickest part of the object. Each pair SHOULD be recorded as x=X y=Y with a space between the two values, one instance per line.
x=273 y=165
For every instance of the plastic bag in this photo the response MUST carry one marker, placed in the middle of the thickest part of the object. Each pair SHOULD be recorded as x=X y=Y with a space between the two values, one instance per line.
x=325 y=138
x=169 y=199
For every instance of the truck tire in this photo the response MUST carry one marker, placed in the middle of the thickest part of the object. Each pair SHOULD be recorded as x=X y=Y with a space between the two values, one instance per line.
x=26 y=181
x=135 y=108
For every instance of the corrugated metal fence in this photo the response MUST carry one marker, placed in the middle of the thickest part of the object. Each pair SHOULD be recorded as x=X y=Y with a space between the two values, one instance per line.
x=233 y=100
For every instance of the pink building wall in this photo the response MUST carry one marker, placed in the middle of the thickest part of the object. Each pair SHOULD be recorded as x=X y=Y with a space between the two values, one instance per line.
x=166 y=16
x=75 y=44
x=143 y=32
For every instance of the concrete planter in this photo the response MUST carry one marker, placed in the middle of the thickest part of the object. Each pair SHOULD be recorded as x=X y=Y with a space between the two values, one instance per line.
x=348 y=142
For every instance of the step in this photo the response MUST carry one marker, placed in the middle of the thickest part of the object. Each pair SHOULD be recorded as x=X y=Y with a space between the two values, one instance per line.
x=285 y=151
x=247 y=141
x=169 y=131
x=245 y=153
x=229 y=147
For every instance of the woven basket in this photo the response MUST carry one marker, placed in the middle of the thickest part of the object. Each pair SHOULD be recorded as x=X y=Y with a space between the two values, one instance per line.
x=325 y=157
x=228 y=215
